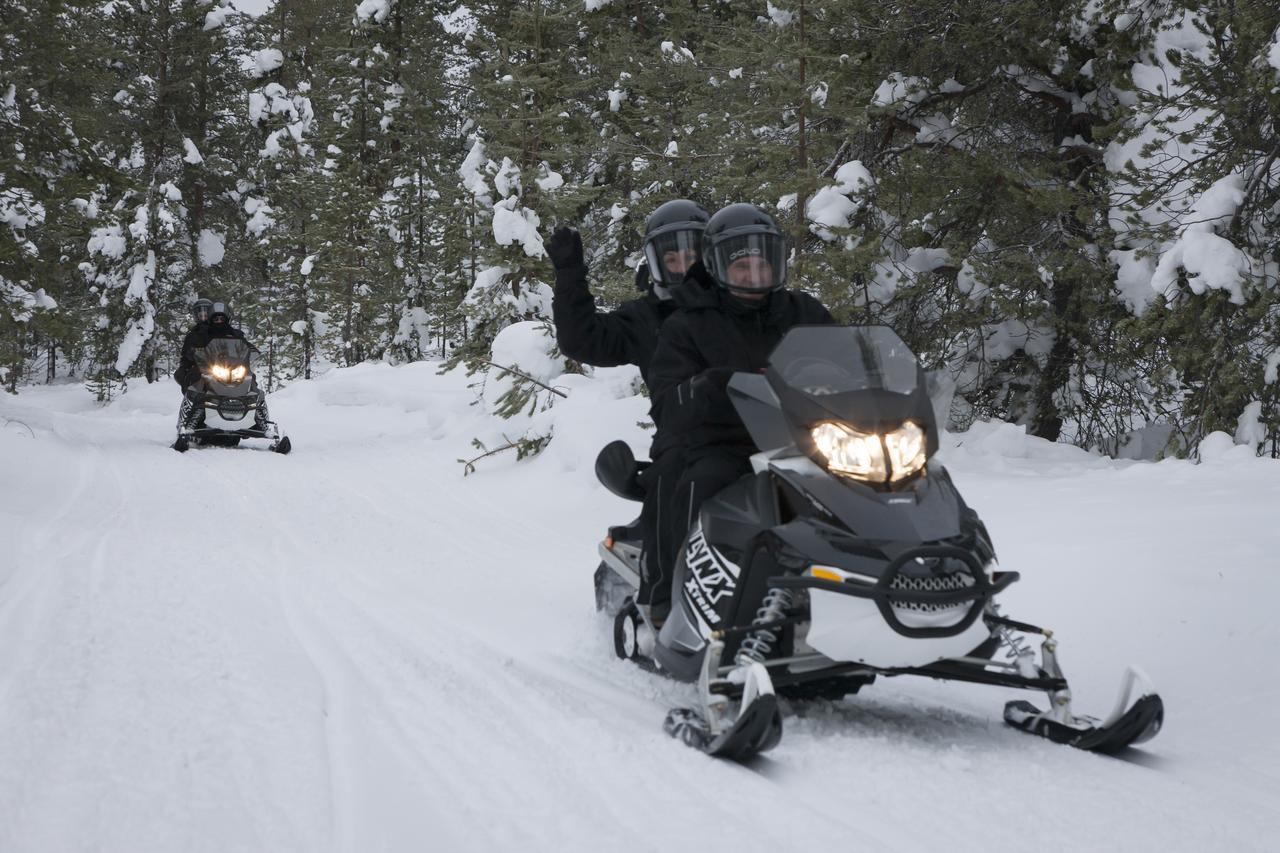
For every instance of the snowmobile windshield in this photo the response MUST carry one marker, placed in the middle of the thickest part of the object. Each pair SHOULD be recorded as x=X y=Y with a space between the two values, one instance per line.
x=228 y=352
x=821 y=361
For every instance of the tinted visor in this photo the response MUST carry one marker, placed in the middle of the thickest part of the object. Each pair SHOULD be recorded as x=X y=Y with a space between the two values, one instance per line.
x=671 y=254
x=751 y=263
x=202 y=313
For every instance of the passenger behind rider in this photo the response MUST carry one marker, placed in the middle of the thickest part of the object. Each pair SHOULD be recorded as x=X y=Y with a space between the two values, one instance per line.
x=629 y=335
x=730 y=326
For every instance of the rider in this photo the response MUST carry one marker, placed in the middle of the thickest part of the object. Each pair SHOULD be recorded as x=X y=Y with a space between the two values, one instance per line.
x=730 y=327
x=628 y=335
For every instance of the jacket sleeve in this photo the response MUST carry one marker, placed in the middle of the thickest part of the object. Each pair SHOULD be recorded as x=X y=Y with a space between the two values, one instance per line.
x=680 y=403
x=186 y=360
x=585 y=334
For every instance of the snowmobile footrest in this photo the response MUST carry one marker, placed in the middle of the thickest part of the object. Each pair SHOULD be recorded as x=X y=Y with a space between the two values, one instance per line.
x=1141 y=722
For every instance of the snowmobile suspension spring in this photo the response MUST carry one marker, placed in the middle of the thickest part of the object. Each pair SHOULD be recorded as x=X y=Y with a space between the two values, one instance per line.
x=1016 y=643
x=757 y=645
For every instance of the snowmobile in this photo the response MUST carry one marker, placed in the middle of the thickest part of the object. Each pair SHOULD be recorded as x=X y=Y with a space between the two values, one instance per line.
x=214 y=409
x=846 y=556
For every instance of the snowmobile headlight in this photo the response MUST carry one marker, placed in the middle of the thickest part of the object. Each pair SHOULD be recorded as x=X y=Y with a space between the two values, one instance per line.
x=905 y=447
x=220 y=372
x=238 y=373
x=872 y=457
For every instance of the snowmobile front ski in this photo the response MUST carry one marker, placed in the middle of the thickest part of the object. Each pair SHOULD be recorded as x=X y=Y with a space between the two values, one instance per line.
x=1128 y=723
x=739 y=718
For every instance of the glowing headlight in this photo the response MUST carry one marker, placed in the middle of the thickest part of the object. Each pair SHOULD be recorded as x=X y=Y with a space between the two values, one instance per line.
x=220 y=372
x=873 y=457
x=238 y=373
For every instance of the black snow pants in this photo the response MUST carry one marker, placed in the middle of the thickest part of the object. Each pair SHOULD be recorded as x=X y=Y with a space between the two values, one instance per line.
x=659 y=482
x=707 y=470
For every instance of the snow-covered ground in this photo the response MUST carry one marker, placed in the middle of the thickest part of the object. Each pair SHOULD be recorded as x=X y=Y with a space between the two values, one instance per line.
x=354 y=648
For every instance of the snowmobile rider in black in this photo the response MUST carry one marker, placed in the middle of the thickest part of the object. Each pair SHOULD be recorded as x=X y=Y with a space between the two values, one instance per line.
x=730 y=327
x=629 y=335
x=213 y=320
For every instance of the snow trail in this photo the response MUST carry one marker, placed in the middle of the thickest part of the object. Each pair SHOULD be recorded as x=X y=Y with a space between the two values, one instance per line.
x=354 y=648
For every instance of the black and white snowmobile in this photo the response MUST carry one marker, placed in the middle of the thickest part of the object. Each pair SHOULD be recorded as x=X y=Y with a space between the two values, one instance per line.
x=847 y=555
x=214 y=409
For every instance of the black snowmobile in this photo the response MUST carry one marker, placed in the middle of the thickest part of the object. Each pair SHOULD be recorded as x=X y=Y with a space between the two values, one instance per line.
x=848 y=555
x=215 y=409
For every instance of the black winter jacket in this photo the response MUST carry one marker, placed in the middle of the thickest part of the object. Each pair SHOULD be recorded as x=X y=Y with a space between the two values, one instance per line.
x=626 y=335
x=199 y=337
x=715 y=330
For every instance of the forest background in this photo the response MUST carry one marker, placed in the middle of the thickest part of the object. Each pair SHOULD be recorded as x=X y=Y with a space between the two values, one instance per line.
x=1068 y=209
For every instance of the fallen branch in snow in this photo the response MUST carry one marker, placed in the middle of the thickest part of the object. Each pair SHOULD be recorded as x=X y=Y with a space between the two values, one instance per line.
x=523 y=375
x=523 y=447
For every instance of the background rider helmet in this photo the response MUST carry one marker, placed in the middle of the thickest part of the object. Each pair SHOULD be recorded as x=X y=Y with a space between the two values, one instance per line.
x=673 y=243
x=745 y=251
x=200 y=310
x=218 y=314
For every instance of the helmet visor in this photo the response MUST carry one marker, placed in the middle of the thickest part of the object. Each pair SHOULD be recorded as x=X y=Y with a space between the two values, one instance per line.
x=671 y=254
x=200 y=310
x=751 y=263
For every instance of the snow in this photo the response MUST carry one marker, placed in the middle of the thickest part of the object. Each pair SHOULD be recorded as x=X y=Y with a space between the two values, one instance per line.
x=899 y=88
x=616 y=97
x=469 y=171
x=549 y=179
x=376 y=10
x=266 y=60
x=779 y=17
x=396 y=657
x=215 y=18
x=1273 y=53
x=211 y=247
x=593 y=5
x=193 y=155
x=308 y=263
x=513 y=224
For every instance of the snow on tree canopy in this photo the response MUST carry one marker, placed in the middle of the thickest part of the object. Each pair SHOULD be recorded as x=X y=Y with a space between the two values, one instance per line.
x=898 y=88
x=593 y=5
x=210 y=248
x=470 y=173
x=549 y=179
x=834 y=206
x=266 y=60
x=779 y=17
x=193 y=155
x=142 y=327
x=216 y=18
x=375 y=9
x=515 y=224
x=1210 y=261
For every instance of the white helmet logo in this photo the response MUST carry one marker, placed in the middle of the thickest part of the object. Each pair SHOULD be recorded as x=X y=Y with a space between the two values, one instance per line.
x=748 y=252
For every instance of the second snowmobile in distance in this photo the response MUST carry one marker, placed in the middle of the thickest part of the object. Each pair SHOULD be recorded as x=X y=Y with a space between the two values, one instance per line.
x=846 y=556
x=226 y=404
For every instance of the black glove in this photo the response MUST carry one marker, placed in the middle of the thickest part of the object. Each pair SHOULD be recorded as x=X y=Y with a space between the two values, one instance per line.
x=565 y=248
x=642 y=278
x=713 y=379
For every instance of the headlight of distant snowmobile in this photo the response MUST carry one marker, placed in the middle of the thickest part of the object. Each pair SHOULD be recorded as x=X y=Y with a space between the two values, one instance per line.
x=220 y=372
x=238 y=373
x=872 y=457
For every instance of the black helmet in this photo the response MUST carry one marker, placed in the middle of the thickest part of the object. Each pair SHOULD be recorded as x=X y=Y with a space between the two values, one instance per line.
x=673 y=241
x=219 y=309
x=744 y=250
x=200 y=310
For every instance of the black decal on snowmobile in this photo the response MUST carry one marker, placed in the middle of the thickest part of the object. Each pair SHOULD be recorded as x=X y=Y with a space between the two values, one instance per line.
x=710 y=580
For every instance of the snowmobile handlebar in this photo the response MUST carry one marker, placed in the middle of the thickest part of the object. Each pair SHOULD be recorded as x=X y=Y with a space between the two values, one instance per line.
x=885 y=596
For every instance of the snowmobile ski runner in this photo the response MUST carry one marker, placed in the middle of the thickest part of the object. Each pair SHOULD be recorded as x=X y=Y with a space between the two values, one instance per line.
x=848 y=555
